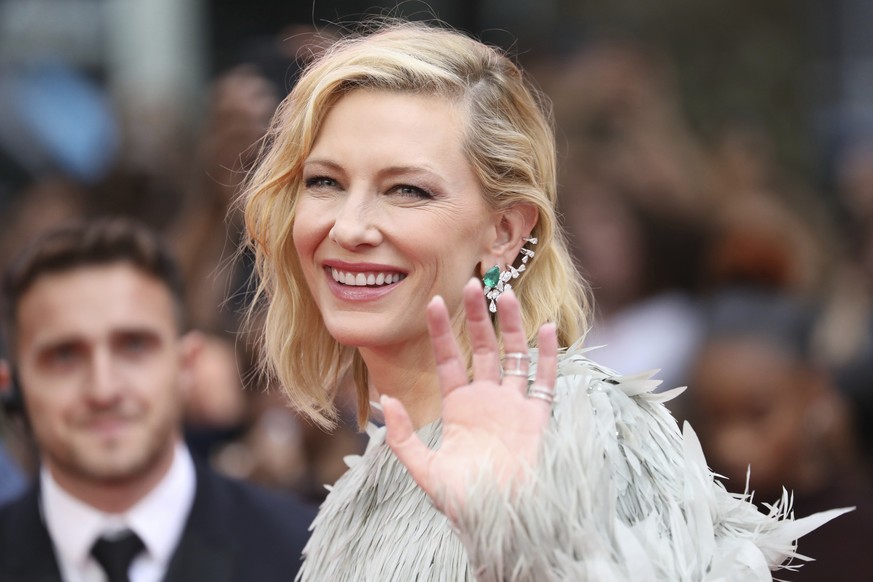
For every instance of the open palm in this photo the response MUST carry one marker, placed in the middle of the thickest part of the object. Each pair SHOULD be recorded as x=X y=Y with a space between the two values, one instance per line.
x=489 y=424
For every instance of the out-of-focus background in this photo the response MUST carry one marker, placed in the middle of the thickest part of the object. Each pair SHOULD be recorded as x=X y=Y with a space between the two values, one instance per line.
x=716 y=183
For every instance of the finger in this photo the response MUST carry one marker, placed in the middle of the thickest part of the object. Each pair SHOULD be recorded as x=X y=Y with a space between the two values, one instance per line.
x=401 y=437
x=547 y=366
x=483 y=341
x=451 y=370
x=514 y=339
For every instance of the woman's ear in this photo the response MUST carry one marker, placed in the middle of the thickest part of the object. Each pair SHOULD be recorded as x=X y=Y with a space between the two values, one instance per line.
x=512 y=226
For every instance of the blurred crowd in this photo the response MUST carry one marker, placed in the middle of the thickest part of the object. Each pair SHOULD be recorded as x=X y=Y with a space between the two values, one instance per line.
x=710 y=261
x=707 y=258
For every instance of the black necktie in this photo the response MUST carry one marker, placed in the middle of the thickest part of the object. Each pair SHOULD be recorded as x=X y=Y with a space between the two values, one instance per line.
x=115 y=555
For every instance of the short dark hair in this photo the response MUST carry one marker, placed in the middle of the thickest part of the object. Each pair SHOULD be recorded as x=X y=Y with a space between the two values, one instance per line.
x=784 y=321
x=102 y=241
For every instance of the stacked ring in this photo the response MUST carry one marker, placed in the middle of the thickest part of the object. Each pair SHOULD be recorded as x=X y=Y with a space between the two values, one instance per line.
x=519 y=363
x=542 y=393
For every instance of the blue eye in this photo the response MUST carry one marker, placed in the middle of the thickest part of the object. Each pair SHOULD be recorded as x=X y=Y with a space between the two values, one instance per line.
x=411 y=191
x=320 y=182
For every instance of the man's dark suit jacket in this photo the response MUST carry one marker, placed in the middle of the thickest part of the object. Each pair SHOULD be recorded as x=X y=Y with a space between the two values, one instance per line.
x=235 y=533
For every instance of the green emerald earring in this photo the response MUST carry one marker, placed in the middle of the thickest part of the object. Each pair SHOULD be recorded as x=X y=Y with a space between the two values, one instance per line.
x=496 y=281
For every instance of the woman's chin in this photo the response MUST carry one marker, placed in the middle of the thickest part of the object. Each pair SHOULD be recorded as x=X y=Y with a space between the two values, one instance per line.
x=371 y=337
x=358 y=338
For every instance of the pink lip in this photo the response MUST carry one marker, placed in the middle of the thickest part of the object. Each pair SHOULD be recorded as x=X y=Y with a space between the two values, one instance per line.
x=360 y=267
x=354 y=293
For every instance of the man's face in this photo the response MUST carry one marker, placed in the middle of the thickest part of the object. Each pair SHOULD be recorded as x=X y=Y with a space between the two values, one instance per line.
x=102 y=365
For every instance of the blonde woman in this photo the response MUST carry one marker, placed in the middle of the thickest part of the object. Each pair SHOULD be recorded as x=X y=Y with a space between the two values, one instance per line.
x=409 y=165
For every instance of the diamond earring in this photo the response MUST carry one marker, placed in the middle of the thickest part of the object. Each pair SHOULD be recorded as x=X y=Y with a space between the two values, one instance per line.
x=497 y=281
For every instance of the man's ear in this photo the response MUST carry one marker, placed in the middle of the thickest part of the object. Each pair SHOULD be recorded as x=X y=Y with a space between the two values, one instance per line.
x=512 y=226
x=7 y=390
x=5 y=377
x=190 y=346
x=11 y=397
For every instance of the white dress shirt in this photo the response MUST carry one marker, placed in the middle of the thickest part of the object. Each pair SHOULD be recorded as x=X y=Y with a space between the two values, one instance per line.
x=158 y=519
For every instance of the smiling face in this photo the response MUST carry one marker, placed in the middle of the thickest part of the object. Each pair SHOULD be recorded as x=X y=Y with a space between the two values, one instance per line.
x=389 y=215
x=101 y=363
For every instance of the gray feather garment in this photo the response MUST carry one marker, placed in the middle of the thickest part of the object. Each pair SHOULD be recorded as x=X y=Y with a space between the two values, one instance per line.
x=619 y=494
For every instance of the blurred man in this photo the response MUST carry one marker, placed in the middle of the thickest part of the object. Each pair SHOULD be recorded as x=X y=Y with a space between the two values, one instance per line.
x=94 y=319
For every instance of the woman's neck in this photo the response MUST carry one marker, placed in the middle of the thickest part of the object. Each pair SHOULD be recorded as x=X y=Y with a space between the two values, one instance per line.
x=407 y=373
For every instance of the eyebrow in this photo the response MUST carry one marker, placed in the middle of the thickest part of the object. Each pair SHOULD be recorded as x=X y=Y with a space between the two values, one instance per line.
x=135 y=331
x=384 y=172
x=401 y=170
x=67 y=338
x=318 y=162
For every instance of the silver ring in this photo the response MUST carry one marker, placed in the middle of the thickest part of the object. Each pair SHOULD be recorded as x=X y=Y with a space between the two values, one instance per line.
x=542 y=393
x=517 y=359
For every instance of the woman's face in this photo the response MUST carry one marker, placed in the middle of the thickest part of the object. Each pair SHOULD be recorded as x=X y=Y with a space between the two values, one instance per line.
x=752 y=411
x=390 y=214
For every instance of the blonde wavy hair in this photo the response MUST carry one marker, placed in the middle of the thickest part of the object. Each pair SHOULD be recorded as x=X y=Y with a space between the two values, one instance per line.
x=509 y=142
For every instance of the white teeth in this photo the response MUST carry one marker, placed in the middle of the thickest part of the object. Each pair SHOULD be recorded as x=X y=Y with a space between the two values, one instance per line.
x=362 y=279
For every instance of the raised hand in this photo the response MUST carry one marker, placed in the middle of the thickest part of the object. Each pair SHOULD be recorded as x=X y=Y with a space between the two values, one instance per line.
x=490 y=425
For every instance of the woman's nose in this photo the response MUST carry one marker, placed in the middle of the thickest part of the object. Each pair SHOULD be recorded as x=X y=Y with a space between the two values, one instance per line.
x=355 y=223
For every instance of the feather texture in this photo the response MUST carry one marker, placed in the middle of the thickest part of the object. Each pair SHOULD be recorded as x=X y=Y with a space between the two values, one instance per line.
x=619 y=493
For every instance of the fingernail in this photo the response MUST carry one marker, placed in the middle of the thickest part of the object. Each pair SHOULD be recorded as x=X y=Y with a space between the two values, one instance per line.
x=437 y=299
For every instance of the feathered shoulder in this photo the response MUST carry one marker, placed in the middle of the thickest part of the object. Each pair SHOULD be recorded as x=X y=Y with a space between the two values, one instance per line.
x=621 y=493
